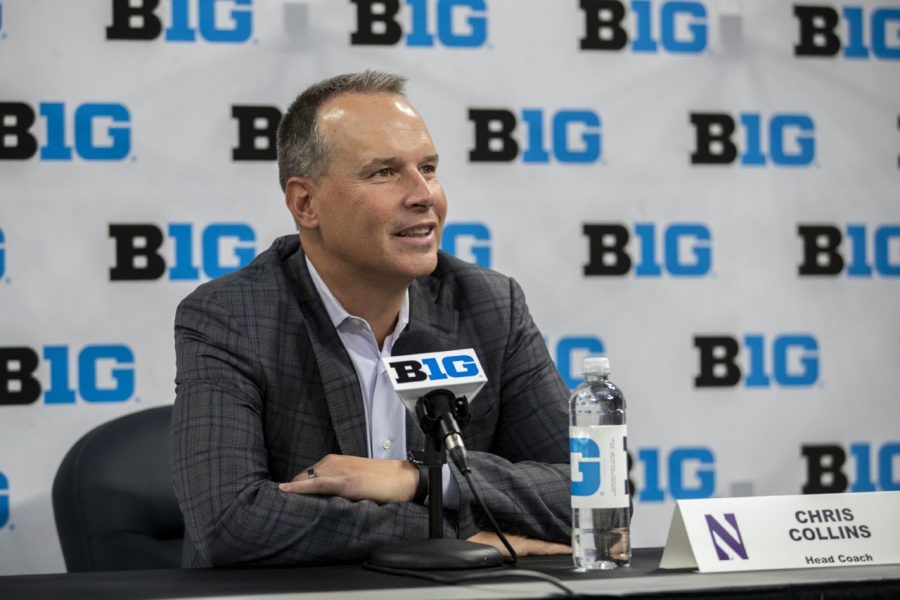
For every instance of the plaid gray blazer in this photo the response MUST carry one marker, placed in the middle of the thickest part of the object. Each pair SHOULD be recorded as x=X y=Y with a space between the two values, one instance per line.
x=265 y=388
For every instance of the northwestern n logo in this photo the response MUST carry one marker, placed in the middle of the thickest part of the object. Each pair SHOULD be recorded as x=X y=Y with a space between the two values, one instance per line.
x=727 y=540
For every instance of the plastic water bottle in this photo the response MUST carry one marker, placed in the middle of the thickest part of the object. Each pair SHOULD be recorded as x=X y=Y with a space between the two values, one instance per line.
x=600 y=492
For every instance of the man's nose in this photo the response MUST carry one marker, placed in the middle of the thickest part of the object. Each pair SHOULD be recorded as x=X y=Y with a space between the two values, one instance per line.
x=420 y=190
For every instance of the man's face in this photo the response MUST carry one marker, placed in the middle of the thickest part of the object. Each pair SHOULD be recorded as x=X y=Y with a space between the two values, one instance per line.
x=380 y=208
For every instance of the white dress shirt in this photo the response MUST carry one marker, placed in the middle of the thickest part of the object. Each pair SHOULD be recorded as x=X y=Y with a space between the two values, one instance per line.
x=385 y=412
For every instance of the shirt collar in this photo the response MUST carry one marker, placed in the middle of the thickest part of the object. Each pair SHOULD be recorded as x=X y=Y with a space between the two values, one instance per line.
x=338 y=314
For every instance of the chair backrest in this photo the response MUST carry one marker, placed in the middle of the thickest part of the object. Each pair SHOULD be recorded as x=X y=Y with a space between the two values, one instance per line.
x=113 y=500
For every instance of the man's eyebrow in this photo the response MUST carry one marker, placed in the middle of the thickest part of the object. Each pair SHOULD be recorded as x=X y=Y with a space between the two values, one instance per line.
x=379 y=161
x=393 y=160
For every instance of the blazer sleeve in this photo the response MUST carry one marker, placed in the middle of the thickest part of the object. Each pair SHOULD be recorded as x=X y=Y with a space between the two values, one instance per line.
x=524 y=479
x=233 y=510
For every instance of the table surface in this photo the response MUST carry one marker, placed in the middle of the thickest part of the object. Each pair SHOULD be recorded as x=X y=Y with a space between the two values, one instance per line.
x=643 y=579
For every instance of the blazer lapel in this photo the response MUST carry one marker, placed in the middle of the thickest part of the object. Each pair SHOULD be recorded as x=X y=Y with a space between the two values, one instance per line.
x=339 y=379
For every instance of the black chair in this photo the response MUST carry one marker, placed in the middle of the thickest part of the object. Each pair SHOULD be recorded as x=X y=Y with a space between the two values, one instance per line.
x=113 y=500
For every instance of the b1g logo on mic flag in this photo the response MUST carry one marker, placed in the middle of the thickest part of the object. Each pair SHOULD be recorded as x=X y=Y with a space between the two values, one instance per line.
x=414 y=375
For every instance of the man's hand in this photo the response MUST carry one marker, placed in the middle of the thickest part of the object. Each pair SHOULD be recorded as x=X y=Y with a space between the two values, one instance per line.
x=522 y=545
x=357 y=478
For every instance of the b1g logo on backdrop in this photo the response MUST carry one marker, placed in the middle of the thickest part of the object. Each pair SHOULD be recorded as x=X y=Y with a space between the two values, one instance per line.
x=867 y=252
x=217 y=21
x=90 y=131
x=223 y=248
x=469 y=241
x=103 y=373
x=676 y=27
x=823 y=32
x=874 y=468
x=753 y=139
x=679 y=473
x=676 y=249
x=4 y=494
x=570 y=351
x=785 y=360
x=257 y=132
x=450 y=23
x=566 y=136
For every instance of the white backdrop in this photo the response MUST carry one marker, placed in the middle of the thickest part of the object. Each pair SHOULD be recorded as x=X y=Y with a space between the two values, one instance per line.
x=140 y=132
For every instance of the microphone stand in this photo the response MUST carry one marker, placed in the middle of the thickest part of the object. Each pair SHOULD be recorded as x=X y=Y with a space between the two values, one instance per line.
x=440 y=415
x=435 y=459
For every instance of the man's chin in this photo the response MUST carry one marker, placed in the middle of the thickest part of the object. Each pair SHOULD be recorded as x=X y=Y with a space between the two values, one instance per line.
x=421 y=265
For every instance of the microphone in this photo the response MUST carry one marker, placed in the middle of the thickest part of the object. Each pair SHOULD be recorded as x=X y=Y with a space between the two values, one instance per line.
x=436 y=387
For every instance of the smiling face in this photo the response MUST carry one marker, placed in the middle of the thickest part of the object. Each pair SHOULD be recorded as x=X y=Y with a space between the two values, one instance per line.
x=377 y=213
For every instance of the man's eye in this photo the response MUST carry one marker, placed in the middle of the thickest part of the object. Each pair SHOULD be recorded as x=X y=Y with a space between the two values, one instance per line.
x=385 y=172
x=429 y=169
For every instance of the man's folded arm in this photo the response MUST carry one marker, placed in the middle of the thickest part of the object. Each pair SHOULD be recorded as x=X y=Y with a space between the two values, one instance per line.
x=527 y=498
x=234 y=512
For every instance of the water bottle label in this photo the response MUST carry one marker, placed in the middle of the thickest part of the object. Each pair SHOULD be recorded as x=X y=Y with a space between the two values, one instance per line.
x=599 y=466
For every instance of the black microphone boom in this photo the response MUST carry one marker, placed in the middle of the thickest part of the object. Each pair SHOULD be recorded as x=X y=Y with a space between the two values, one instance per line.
x=440 y=416
x=439 y=413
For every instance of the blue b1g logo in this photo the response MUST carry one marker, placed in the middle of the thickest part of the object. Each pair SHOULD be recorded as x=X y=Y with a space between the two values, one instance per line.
x=4 y=494
x=780 y=139
x=104 y=373
x=822 y=253
x=222 y=21
x=450 y=23
x=691 y=473
x=786 y=360
x=468 y=241
x=676 y=249
x=224 y=247
x=819 y=28
x=676 y=26
x=585 y=456
x=569 y=353
x=434 y=368
x=18 y=142
x=875 y=468
x=566 y=135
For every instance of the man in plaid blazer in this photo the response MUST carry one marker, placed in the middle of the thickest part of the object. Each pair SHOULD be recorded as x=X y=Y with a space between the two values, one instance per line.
x=279 y=393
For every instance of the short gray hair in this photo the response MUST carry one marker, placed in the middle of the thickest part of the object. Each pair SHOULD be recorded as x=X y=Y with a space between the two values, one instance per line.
x=302 y=151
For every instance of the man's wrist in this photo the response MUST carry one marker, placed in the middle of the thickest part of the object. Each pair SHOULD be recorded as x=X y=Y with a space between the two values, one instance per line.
x=421 y=492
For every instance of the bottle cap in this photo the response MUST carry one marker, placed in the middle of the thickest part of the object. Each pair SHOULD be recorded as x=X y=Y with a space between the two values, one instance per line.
x=598 y=365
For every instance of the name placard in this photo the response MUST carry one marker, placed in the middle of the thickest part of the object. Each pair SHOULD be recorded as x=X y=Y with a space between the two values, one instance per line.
x=784 y=532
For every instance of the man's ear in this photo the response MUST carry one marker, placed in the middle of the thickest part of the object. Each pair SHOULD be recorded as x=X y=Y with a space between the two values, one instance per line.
x=298 y=196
